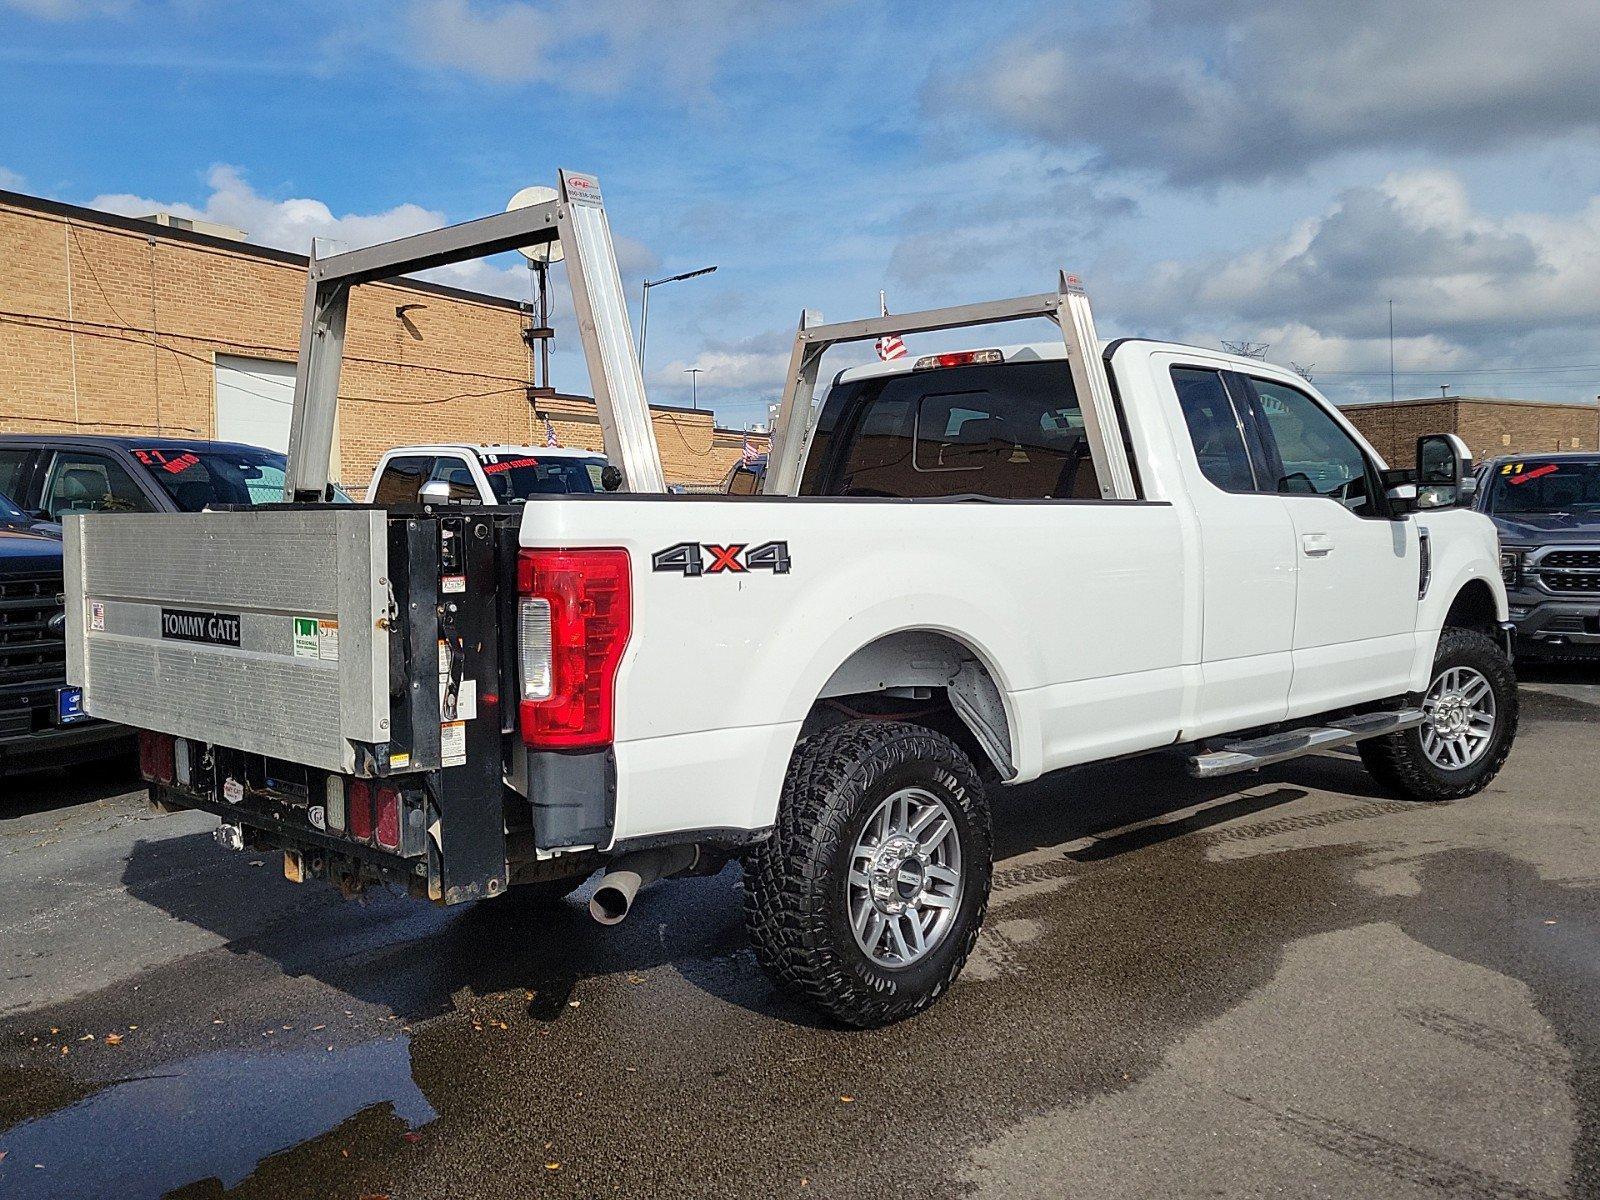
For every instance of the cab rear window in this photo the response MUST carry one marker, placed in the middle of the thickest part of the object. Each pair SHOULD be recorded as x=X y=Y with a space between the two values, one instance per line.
x=1008 y=431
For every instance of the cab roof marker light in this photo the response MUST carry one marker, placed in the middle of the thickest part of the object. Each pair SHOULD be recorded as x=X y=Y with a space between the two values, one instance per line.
x=961 y=358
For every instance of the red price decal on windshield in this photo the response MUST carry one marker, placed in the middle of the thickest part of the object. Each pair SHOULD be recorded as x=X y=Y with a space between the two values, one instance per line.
x=1536 y=473
x=182 y=463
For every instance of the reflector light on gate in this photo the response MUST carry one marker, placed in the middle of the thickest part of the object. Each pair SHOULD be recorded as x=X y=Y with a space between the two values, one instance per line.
x=574 y=620
x=156 y=756
x=358 y=803
x=387 y=822
x=961 y=358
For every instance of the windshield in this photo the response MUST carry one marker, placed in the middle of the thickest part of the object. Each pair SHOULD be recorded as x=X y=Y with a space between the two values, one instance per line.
x=1536 y=485
x=515 y=479
x=205 y=476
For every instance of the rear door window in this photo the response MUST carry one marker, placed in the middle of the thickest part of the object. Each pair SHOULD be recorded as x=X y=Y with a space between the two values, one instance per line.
x=1008 y=431
x=81 y=482
x=1216 y=428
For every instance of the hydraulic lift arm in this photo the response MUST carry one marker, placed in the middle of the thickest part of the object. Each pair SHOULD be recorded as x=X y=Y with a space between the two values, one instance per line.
x=577 y=219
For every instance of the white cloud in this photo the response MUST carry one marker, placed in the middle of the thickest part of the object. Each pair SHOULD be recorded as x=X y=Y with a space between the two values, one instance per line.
x=291 y=224
x=588 y=45
x=286 y=224
x=1217 y=91
x=10 y=180
x=1471 y=289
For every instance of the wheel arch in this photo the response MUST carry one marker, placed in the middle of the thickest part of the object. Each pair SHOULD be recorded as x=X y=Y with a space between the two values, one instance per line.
x=947 y=673
x=1473 y=607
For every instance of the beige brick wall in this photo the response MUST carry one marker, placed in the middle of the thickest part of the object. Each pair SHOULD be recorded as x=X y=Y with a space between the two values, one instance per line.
x=105 y=329
x=1489 y=427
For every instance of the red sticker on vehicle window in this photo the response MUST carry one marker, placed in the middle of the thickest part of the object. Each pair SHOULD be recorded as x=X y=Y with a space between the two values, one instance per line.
x=496 y=468
x=181 y=464
x=1536 y=473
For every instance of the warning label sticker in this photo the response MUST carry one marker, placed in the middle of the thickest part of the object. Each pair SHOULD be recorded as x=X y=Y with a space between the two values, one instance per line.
x=453 y=743
x=317 y=639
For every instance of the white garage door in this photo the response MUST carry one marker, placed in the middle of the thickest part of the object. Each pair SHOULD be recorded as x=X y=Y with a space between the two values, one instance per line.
x=255 y=398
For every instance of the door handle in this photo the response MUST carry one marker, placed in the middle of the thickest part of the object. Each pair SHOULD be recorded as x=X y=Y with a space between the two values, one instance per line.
x=1316 y=545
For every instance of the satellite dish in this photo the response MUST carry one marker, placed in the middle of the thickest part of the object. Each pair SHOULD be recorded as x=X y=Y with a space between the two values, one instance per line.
x=544 y=252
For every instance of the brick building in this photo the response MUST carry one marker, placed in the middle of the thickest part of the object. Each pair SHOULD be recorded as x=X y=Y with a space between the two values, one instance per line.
x=1488 y=426
x=113 y=324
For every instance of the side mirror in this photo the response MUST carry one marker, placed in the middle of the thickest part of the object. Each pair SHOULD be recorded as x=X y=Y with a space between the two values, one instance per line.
x=1400 y=489
x=610 y=477
x=1444 y=471
x=435 y=491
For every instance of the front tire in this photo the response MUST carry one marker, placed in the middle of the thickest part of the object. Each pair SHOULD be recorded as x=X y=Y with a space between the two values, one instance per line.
x=1472 y=720
x=868 y=897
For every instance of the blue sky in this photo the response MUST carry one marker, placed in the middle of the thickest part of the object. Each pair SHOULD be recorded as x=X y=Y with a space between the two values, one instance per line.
x=1275 y=170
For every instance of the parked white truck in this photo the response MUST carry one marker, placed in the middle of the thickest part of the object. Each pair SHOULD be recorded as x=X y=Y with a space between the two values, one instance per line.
x=968 y=570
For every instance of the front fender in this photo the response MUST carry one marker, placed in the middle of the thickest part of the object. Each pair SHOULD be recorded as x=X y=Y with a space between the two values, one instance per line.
x=1466 y=549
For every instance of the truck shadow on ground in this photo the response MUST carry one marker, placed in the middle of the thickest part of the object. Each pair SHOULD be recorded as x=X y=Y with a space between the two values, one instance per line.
x=29 y=792
x=417 y=961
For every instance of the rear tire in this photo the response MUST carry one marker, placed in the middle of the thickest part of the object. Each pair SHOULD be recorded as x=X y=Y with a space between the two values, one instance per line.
x=868 y=897
x=1473 y=682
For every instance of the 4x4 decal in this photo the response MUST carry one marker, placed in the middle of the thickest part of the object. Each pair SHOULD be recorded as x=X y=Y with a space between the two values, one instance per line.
x=689 y=558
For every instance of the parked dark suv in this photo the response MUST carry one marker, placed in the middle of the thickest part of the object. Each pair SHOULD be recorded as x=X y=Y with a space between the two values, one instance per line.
x=50 y=476
x=41 y=719
x=1547 y=509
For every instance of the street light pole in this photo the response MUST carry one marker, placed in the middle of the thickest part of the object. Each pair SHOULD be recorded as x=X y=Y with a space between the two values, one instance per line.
x=644 y=304
x=694 y=387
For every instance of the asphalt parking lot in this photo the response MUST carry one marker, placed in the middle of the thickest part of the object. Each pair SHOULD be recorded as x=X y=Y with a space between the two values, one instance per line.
x=1290 y=985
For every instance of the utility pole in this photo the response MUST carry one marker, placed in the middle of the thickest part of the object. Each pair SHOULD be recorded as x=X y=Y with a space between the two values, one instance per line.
x=694 y=387
x=1391 y=352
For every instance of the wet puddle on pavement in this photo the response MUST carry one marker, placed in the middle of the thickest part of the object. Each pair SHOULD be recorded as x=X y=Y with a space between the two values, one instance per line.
x=215 y=1116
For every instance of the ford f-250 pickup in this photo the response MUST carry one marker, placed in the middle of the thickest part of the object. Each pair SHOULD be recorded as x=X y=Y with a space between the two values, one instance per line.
x=987 y=570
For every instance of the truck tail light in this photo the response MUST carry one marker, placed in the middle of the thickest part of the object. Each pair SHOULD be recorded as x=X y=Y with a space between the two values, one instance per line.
x=386 y=825
x=358 y=806
x=157 y=756
x=574 y=619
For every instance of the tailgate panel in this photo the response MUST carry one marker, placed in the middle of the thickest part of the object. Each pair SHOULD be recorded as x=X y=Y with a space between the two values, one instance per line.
x=303 y=673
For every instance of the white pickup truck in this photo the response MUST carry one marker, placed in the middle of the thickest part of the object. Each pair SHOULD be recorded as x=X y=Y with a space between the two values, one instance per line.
x=462 y=473
x=474 y=701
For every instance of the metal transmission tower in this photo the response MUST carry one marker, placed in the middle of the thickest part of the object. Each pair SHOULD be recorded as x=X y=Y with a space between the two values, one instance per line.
x=1303 y=371
x=1247 y=349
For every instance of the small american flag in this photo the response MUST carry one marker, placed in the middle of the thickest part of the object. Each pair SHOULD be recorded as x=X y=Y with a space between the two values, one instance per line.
x=889 y=346
x=550 y=438
x=750 y=453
